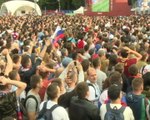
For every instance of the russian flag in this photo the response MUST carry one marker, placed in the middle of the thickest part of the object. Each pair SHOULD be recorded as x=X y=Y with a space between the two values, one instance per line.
x=58 y=34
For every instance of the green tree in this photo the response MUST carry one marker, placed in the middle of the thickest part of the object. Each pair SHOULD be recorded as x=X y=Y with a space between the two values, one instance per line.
x=2 y=1
x=65 y=4
x=48 y=4
x=71 y=4
x=78 y=3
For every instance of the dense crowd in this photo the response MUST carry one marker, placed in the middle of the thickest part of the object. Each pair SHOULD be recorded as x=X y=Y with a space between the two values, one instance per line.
x=74 y=67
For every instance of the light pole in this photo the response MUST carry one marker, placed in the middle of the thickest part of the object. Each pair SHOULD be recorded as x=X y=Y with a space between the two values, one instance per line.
x=59 y=5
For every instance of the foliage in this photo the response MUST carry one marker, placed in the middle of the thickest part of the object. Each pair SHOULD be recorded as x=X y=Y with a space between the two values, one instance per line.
x=78 y=3
x=54 y=4
x=48 y=4
x=2 y=1
x=65 y=4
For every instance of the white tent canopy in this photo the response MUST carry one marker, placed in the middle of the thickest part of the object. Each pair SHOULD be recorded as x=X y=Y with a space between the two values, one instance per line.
x=79 y=11
x=20 y=7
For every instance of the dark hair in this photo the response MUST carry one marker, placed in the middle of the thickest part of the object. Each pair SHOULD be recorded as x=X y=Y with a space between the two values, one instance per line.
x=25 y=61
x=86 y=47
x=113 y=59
x=13 y=74
x=82 y=89
x=26 y=48
x=43 y=74
x=136 y=83
x=146 y=78
x=114 y=92
x=52 y=91
x=96 y=62
x=123 y=53
x=14 y=51
x=115 y=78
x=57 y=81
x=3 y=87
x=119 y=67
x=133 y=70
x=91 y=51
x=27 y=42
x=35 y=79
x=74 y=55
x=15 y=58
x=85 y=64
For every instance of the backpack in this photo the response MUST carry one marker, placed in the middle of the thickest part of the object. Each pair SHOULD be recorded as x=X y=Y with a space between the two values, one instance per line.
x=46 y=114
x=148 y=111
x=114 y=114
x=138 y=105
x=147 y=108
x=22 y=105
x=8 y=105
x=89 y=84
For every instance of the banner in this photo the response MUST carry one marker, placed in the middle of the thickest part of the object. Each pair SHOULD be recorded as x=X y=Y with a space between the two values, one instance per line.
x=100 y=5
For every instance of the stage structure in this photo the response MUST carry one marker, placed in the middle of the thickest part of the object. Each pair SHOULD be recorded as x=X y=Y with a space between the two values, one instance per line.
x=108 y=7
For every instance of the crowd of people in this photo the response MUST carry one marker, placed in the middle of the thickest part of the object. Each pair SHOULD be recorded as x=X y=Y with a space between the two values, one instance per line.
x=76 y=67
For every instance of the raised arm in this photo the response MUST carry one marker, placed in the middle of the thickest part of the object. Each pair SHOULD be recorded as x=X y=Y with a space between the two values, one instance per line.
x=138 y=55
x=47 y=43
x=21 y=85
x=9 y=64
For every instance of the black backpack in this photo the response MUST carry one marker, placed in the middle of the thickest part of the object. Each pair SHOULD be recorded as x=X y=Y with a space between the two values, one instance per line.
x=23 y=106
x=46 y=114
x=114 y=114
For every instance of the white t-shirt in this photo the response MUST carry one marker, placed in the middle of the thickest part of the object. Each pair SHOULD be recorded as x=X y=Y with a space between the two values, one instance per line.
x=128 y=114
x=59 y=113
x=104 y=96
x=94 y=92
x=23 y=93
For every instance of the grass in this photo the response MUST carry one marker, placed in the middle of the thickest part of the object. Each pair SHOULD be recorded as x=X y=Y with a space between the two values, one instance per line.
x=102 y=6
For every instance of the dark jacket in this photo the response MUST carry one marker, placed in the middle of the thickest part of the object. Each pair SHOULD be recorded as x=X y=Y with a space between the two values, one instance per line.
x=83 y=109
x=26 y=75
x=138 y=105
x=65 y=99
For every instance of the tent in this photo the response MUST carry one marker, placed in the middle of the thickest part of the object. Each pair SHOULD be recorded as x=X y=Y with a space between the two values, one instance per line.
x=79 y=11
x=20 y=7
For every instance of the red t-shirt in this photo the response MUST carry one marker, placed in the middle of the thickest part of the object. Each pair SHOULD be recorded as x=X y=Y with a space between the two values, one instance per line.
x=80 y=44
x=43 y=89
x=127 y=63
